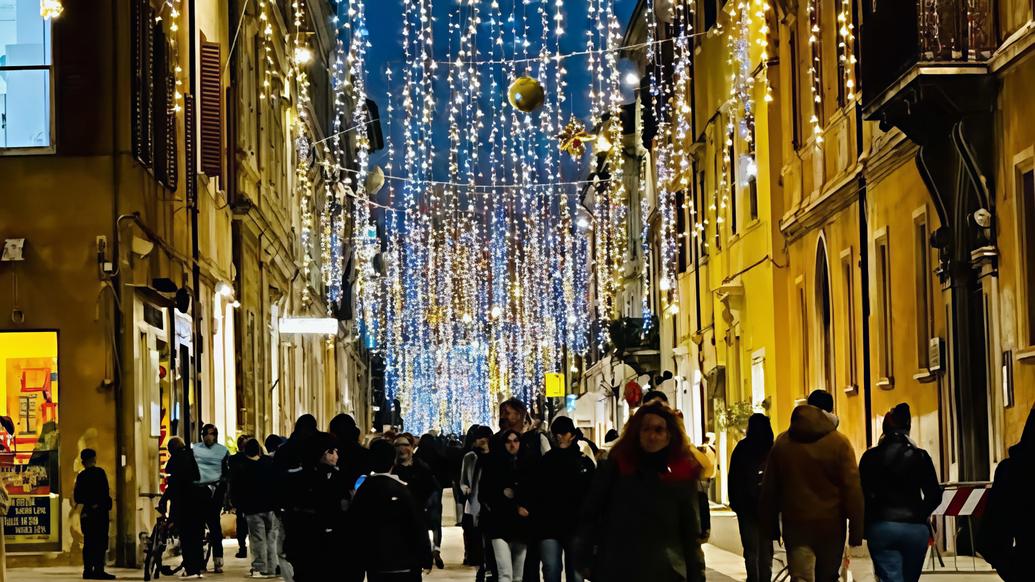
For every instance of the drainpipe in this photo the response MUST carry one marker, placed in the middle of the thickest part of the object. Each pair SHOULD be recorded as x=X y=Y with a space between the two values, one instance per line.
x=864 y=273
x=192 y=188
x=123 y=493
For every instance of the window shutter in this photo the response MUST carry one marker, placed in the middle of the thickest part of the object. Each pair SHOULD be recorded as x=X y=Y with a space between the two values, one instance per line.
x=162 y=114
x=211 y=110
x=143 y=88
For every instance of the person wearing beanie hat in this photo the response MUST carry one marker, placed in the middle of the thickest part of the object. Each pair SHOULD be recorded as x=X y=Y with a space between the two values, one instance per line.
x=901 y=489
x=560 y=484
x=91 y=492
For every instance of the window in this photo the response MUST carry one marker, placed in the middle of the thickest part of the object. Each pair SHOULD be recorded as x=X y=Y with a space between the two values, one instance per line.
x=711 y=14
x=25 y=76
x=803 y=324
x=848 y=329
x=681 y=230
x=751 y=171
x=884 y=336
x=795 y=89
x=824 y=315
x=922 y=283
x=733 y=189
x=699 y=217
x=1026 y=220
x=153 y=101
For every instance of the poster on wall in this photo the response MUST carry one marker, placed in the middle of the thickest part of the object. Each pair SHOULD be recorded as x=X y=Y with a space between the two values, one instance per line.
x=29 y=439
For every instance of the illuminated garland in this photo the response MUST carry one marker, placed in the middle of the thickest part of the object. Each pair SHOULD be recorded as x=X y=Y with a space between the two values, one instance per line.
x=815 y=66
x=846 y=46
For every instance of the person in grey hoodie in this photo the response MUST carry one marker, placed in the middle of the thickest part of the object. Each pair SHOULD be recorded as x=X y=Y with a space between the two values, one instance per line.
x=812 y=483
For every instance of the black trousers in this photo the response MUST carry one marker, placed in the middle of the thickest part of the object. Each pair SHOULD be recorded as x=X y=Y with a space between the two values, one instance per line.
x=190 y=524
x=95 y=538
x=758 y=549
x=213 y=509
x=532 y=562
x=242 y=531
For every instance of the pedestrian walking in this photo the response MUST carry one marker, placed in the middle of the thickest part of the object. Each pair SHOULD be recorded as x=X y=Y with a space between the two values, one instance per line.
x=318 y=518
x=514 y=416
x=394 y=546
x=255 y=502
x=640 y=519
x=290 y=487
x=93 y=495
x=812 y=483
x=242 y=524
x=560 y=486
x=213 y=460
x=429 y=452
x=1006 y=538
x=901 y=490
x=422 y=484
x=353 y=458
x=477 y=547
x=747 y=467
x=189 y=503
x=503 y=494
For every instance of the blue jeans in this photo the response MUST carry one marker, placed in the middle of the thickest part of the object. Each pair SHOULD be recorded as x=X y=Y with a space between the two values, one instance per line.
x=550 y=553
x=897 y=550
x=262 y=529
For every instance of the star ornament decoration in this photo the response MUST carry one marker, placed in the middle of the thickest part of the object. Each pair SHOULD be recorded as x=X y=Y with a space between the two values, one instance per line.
x=574 y=137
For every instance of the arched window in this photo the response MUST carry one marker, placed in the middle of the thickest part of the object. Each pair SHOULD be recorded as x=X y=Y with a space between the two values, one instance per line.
x=824 y=318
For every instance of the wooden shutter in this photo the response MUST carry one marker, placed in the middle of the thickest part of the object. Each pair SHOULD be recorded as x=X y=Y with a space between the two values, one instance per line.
x=143 y=65
x=163 y=117
x=211 y=109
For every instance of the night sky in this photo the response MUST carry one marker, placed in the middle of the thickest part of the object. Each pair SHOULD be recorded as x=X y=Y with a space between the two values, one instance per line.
x=384 y=21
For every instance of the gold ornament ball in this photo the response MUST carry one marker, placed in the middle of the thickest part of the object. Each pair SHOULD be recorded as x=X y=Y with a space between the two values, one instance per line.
x=526 y=94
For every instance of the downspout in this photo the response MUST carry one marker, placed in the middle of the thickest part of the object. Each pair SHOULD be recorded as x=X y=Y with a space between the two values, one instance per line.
x=864 y=256
x=123 y=493
x=192 y=187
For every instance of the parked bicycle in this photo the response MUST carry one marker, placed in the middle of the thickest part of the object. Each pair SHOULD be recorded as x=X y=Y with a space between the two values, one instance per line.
x=163 y=547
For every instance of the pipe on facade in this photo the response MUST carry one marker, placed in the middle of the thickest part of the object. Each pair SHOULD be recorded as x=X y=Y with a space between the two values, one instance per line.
x=192 y=176
x=123 y=544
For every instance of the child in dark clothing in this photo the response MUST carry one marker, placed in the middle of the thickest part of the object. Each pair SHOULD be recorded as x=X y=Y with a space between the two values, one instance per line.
x=91 y=491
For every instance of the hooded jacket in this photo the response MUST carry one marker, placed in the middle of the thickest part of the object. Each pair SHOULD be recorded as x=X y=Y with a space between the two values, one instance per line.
x=812 y=479
x=898 y=481
x=559 y=486
x=1006 y=537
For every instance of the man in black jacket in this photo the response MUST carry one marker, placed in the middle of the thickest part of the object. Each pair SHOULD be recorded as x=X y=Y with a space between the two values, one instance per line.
x=242 y=524
x=91 y=491
x=188 y=504
x=255 y=504
x=394 y=547
x=560 y=485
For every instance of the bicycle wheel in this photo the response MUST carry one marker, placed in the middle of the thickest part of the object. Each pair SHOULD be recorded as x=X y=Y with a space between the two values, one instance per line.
x=153 y=555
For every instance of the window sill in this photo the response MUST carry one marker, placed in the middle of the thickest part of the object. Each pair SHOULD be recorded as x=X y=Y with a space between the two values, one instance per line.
x=1026 y=356
x=924 y=376
x=886 y=383
x=851 y=390
x=30 y=151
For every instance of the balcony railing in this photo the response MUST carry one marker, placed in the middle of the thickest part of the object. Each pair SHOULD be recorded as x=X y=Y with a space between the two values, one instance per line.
x=900 y=34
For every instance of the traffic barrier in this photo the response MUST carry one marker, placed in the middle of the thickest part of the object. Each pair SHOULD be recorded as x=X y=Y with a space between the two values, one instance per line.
x=961 y=508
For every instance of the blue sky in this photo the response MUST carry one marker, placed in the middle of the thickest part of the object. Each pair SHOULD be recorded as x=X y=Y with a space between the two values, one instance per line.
x=384 y=21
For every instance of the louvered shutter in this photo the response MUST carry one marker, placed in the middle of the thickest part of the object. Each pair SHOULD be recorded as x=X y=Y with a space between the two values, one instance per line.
x=162 y=115
x=143 y=88
x=210 y=107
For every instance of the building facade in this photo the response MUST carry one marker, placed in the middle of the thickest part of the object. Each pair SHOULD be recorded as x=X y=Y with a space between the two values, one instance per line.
x=151 y=215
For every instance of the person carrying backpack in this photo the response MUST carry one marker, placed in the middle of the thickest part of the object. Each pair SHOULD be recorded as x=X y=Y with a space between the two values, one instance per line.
x=747 y=466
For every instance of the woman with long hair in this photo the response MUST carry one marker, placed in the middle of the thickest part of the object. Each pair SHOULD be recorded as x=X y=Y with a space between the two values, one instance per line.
x=640 y=521
x=503 y=494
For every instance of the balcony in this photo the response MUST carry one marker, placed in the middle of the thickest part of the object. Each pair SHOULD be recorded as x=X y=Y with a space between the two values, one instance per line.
x=908 y=40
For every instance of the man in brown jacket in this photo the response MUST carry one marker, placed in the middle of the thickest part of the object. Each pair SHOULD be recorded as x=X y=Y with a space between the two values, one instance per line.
x=812 y=482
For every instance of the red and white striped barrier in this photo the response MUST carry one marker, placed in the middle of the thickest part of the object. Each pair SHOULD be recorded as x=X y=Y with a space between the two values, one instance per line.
x=963 y=501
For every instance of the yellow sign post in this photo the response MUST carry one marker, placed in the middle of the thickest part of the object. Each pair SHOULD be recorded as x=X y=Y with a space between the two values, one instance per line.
x=555 y=385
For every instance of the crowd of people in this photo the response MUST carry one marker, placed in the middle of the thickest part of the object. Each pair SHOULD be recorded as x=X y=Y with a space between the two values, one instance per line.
x=541 y=503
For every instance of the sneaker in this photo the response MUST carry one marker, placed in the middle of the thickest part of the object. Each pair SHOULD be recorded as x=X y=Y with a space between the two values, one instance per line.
x=256 y=574
x=218 y=568
x=437 y=556
x=241 y=553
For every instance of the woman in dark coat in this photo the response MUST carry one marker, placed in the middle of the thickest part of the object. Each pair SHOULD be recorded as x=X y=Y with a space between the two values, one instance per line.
x=640 y=521
x=901 y=490
x=503 y=494
x=1007 y=538
x=747 y=465
x=314 y=532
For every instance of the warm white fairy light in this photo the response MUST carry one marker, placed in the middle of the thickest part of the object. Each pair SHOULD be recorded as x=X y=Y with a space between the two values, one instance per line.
x=846 y=47
x=815 y=66
x=50 y=9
